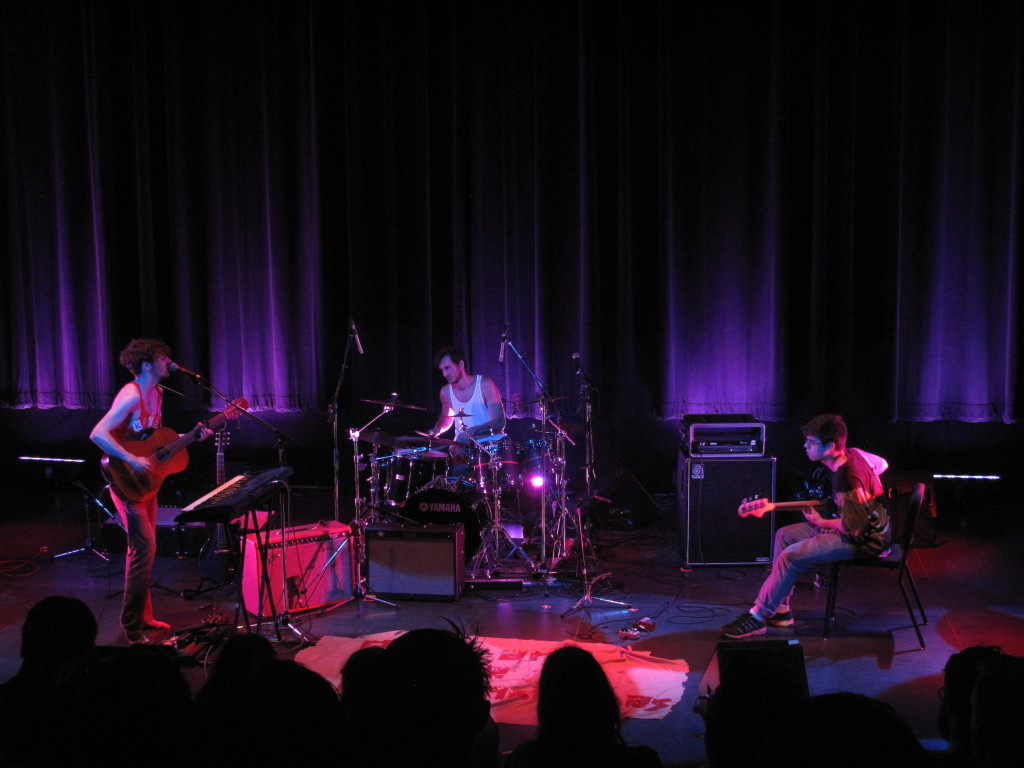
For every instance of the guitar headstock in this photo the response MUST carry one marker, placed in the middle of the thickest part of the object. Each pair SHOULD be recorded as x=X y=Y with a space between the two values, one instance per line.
x=222 y=439
x=236 y=407
x=754 y=505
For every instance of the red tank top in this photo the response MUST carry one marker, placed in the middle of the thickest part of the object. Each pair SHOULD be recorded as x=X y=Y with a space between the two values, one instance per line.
x=142 y=427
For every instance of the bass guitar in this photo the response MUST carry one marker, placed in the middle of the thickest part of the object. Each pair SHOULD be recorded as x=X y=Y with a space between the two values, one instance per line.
x=757 y=507
x=165 y=448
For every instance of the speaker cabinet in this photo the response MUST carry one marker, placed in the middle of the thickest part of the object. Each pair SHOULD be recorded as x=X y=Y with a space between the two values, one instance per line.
x=736 y=660
x=710 y=492
x=315 y=561
x=416 y=562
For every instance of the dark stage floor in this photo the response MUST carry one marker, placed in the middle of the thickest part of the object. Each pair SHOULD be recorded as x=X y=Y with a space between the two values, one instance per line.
x=970 y=578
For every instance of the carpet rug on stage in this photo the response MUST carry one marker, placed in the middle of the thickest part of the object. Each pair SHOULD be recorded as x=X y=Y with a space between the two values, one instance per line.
x=647 y=686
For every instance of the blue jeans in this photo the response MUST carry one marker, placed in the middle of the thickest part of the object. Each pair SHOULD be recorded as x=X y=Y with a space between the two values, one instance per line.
x=799 y=548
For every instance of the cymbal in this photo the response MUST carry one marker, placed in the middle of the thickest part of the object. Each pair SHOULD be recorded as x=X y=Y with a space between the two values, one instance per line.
x=417 y=440
x=396 y=403
x=491 y=438
x=377 y=437
x=569 y=426
x=462 y=415
x=418 y=453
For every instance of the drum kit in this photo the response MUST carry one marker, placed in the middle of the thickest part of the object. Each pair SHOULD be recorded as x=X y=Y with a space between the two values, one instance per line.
x=478 y=480
x=481 y=481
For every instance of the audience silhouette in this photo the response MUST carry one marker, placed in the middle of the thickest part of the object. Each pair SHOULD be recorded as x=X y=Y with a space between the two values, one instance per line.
x=997 y=705
x=139 y=697
x=845 y=730
x=40 y=718
x=578 y=719
x=954 y=717
x=430 y=701
x=423 y=701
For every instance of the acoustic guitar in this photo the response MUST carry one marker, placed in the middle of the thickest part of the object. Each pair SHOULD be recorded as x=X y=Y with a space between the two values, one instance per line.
x=166 y=448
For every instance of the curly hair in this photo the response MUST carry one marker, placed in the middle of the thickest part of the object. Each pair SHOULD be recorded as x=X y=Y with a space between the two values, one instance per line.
x=141 y=351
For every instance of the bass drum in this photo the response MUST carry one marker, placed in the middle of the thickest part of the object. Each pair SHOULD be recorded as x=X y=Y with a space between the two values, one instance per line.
x=447 y=501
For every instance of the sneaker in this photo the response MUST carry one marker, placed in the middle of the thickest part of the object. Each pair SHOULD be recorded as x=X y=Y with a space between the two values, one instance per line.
x=744 y=625
x=782 y=619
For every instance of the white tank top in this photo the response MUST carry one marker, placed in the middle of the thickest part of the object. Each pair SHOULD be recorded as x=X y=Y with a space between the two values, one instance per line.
x=475 y=407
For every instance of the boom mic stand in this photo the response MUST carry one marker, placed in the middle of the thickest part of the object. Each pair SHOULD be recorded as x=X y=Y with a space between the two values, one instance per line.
x=359 y=520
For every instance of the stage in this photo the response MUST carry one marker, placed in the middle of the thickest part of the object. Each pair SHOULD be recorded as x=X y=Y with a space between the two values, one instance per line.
x=968 y=573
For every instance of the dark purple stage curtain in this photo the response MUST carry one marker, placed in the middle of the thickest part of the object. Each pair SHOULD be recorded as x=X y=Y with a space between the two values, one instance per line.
x=775 y=208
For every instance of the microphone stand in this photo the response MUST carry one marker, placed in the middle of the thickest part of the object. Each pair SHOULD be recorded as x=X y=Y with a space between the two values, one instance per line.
x=586 y=390
x=332 y=417
x=545 y=401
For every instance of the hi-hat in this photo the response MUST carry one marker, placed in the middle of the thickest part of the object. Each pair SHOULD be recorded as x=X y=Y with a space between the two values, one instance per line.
x=461 y=415
x=396 y=403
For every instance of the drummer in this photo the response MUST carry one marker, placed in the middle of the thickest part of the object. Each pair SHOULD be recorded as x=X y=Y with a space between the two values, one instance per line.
x=476 y=396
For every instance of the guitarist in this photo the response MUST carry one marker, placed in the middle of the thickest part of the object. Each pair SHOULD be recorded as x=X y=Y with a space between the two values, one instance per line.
x=860 y=530
x=134 y=415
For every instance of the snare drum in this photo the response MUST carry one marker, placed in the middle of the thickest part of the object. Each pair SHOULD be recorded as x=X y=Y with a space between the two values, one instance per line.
x=447 y=501
x=408 y=471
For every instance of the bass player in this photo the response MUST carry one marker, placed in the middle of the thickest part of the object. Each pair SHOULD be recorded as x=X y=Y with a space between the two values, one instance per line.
x=861 y=530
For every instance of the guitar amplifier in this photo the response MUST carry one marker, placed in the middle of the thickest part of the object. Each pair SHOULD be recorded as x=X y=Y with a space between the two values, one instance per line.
x=307 y=566
x=711 y=532
x=416 y=562
x=722 y=439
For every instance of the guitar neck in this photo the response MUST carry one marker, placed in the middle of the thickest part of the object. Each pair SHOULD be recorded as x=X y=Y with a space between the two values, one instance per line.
x=185 y=440
x=799 y=504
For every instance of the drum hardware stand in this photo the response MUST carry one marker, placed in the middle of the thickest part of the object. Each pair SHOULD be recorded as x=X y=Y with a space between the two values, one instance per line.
x=588 y=598
x=559 y=502
x=90 y=541
x=360 y=517
x=495 y=536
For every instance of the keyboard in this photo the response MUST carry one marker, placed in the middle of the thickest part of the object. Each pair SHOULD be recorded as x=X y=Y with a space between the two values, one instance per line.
x=238 y=495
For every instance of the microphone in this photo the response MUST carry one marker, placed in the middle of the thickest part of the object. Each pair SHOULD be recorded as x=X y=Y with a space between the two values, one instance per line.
x=173 y=366
x=576 y=357
x=355 y=334
x=504 y=341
